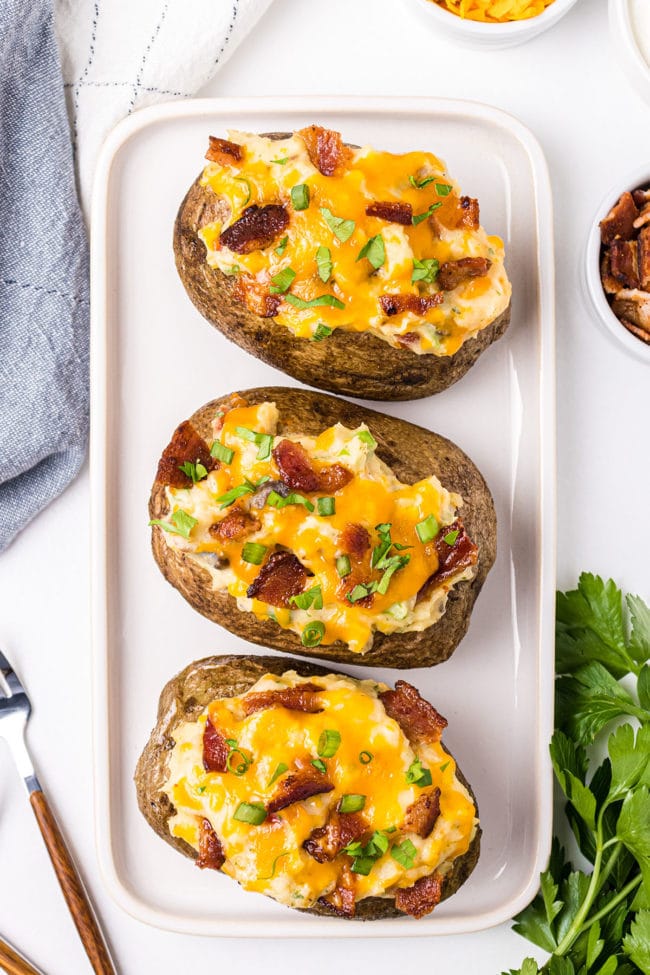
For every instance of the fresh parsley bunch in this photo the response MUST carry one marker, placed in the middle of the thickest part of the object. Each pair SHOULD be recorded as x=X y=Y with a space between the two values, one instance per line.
x=598 y=923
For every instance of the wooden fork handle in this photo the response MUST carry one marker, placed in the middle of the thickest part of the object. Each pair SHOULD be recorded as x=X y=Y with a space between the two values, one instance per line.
x=13 y=963
x=72 y=887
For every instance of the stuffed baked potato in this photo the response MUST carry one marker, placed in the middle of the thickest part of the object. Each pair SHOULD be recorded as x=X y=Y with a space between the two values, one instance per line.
x=315 y=526
x=353 y=270
x=328 y=794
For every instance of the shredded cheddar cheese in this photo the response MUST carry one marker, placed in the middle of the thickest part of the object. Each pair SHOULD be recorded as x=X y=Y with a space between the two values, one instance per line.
x=495 y=11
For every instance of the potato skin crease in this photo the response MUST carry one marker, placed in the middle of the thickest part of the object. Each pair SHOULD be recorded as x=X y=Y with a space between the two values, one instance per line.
x=352 y=363
x=184 y=697
x=413 y=453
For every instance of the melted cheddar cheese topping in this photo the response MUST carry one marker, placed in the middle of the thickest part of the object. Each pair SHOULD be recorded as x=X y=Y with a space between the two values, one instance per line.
x=313 y=527
x=495 y=11
x=330 y=262
x=373 y=760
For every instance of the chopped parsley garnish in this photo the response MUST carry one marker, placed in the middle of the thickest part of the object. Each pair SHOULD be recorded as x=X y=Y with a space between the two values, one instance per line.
x=419 y=217
x=425 y=270
x=221 y=452
x=300 y=196
x=329 y=300
x=328 y=743
x=196 y=471
x=374 y=250
x=311 y=599
x=282 y=281
x=312 y=634
x=324 y=263
x=418 y=775
x=181 y=523
x=341 y=228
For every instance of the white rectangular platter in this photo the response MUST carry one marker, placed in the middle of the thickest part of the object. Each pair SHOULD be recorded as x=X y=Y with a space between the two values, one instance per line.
x=154 y=361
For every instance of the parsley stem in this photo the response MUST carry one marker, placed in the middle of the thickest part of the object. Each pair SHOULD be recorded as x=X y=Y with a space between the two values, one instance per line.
x=622 y=894
x=592 y=892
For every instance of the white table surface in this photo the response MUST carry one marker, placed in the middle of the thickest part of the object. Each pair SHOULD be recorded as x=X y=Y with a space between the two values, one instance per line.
x=567 y=86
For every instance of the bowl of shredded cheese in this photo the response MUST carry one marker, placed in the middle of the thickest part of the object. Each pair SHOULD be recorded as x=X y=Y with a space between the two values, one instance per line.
x=493 y=23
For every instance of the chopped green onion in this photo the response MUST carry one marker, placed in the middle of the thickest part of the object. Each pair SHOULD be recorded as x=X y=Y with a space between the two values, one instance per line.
x=343 y=566
x=393 y=565
x=366 y=437
x=443 y=189
x=322 y=332
x=362 y=865
x=196 y=471
x=231 y=742
x=250 y=812
x=360 y=591
x=404 y=854
x=328 y=743
x=280 y=770
x=225 y=500
x=232 y=270
x=419 y=184
x=321 y=766
x=277 y=501
x=425 y=270
x=352 y=803
x=343 y=229
x=365 y=757
x=282 y=246
x=443 y=766
x=311 y=599
x=451 y=537
x=300 y=196
x=242 y=767
x=326 y=506
x=324 y=263
x=242 y=179
x=221 y=452
x=270 y=876
x=375 y=250
x=398 y=611
x=328 y=300
x=181 y=523
x=282 y=161
x=263 y=440
x=427 y=529
x=418 y=775
x=419 y=217
x=253 y=553
x=282 y=281
x=312 y=634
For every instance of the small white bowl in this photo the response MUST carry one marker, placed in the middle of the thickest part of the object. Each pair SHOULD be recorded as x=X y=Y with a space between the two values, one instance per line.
x=490 y=36
x=595 y=290
x=632 y=60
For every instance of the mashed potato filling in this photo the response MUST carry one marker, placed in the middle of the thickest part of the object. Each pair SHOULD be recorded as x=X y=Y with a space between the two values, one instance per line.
x=335 y=263
x=365 y=549
x=359 y=750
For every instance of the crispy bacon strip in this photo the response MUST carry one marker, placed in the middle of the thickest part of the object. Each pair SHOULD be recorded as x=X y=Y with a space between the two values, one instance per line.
x=469 y=213
x=223 y=152
x=281 y=577
x=299 y=698
x=422 y=814
x=619 y=222
x=451 y=558
x=256 y=228
x=454 y=273
x=417 y=304
x=393 y=212
x=237 y=524
x=298 y=786
x=355 y=540
x=421 y=898
x=297 y=471
x=325 y=843
x=185 y=445
x=256 y=297
x=342 y=899
x=418 y=719
x=215 y=749
x=211 y=855
x=624 y=263
x=326 y=150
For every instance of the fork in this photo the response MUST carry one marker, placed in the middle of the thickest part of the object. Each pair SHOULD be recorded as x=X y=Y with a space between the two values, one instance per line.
x=15 y=709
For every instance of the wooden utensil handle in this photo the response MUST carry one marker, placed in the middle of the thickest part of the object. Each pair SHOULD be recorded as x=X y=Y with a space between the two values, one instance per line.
x=72 y=887
x=13 y=963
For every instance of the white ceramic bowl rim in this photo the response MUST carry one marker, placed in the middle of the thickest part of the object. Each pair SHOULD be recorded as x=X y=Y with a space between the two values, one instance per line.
x=554 y=12
x=639 y=177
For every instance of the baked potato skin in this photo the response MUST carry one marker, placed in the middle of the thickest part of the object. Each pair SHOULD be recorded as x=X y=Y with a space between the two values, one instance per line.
x=413 y=453
x=184 y=698
x=352 y=363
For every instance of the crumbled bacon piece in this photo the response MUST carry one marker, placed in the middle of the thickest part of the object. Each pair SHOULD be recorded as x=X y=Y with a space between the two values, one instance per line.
x=393 y=212
x=211 y=855
x=355 y=540
x=408 y=339
x=417 y=304
x=223 y=152
x=644 y=258
x=297 y=471
x=237 y=524
x=325 y=843
x=461 y=554
x=256 y=296
x=454 y=273
x=215 y=749
x=185 y=445
x=256 y=228
x=342 y=900
x=469 y=213
x=302 y=697
x=641 y=198
x=634 y=307
x=421 y=898
x=233 y=402
x=326 y=150
x=298 y=786
x=418 y=719
x=624 y=263
x=610 y=284
x=422 y=814
x=619 y=222
x=281 y=577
